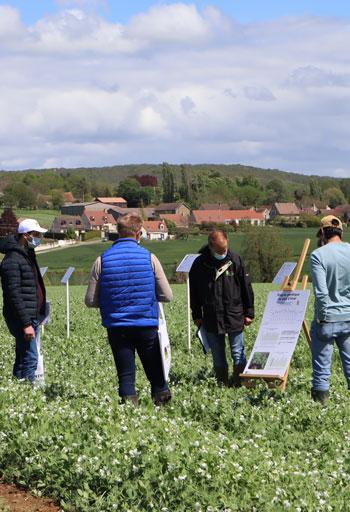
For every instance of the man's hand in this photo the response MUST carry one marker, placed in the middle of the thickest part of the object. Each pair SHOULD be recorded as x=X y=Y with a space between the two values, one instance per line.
x=198 y=322
x=247 y=320
x=29 y=333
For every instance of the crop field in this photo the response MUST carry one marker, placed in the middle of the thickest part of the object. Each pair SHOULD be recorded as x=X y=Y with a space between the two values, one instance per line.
x=212 y=449
x=170 y=252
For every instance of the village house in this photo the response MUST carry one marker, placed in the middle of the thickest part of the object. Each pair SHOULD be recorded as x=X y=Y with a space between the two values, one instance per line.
x=180 y=221
x=228 y=217
x=62 y=223
x=98 y=220
x=289 y=211
x=154 y=230
x=174 y=208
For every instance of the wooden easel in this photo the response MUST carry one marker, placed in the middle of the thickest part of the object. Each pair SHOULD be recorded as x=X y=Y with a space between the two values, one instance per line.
x=274 y=381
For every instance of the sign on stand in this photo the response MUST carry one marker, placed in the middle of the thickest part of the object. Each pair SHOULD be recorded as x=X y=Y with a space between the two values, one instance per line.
x=278 y=334
x=43 y=271
x=185 y=267
x=287 y=269
x=65 y=280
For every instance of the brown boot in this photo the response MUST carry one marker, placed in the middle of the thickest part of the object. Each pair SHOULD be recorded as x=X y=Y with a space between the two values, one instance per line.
x=236 y=381
x=221 y=374
x=130 y=398
x=162 y=398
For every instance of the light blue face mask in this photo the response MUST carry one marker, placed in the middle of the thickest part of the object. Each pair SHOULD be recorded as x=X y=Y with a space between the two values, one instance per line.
x=219 y=256
x=34 y=242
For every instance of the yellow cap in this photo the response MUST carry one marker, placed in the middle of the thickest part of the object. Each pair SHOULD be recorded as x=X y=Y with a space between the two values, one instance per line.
x=330 y=221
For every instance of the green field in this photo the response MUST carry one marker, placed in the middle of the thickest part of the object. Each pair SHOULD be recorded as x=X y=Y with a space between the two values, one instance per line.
x=212 y=450
x=170 y=252
x=44 y=217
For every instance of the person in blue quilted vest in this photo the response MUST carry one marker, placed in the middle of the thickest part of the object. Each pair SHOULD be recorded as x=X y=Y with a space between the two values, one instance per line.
x=126 y=283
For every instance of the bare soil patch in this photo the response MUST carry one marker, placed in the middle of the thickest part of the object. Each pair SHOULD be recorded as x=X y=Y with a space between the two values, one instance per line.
x=16 y=500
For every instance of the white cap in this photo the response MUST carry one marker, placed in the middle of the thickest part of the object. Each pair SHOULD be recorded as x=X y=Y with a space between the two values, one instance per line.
x=28 y=225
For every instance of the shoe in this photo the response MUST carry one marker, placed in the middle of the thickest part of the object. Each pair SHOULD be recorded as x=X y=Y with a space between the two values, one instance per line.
x=162 y=398
x=130 y=398
x=319 y=396
x=236 y=381
x=221 y=375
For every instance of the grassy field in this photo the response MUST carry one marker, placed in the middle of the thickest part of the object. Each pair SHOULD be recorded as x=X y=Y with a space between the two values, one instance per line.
x=170 y=252
x=44 y=217
x=212 y=450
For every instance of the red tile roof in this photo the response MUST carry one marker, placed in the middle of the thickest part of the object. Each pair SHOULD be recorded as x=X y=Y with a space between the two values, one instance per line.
x=153 y=226
x=111 y=200
x=222 y=216
x=287 y=209
x=99 y=218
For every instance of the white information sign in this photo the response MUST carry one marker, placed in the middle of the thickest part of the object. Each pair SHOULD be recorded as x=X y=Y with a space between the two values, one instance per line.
x=65 y=280
x=185 y=266
x=279 y=332
x=43 y=271
x=186 y=263
x=286 y=270
x=67 y=275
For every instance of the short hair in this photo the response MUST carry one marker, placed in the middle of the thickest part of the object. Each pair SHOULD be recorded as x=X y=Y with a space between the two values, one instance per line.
x=331 y=232
x=215 y=234
x=129 y=224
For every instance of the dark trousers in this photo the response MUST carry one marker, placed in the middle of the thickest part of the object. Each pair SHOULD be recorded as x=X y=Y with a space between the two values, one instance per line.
x=124 y=341
x=26 y=360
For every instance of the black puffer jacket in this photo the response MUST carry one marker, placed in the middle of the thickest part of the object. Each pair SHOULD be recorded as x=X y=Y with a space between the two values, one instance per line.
x=224 y=299
x=20 y=278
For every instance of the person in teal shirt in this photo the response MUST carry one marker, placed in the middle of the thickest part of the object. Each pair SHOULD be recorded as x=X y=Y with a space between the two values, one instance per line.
x=330 y=269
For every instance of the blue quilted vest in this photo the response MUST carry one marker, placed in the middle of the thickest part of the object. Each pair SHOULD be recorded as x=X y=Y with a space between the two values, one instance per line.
x=127 y=286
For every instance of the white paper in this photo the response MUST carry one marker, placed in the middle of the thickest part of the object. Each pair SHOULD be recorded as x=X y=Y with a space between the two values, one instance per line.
x=279 y=332
x=47 y=316
x=186 y=263
x=287 y=269
x=39 y=372
x=203 y=338
x=164 y=343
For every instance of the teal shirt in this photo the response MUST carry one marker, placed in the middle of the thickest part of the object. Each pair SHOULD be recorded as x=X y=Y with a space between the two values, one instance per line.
x=330 y=268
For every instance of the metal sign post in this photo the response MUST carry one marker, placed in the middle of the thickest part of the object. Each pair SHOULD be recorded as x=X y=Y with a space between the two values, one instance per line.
x=65 y=280
x=185 y=266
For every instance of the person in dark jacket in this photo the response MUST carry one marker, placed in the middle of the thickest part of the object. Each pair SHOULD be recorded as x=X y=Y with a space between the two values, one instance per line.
x=126 y=283
x=222 y=302
x=24 y=295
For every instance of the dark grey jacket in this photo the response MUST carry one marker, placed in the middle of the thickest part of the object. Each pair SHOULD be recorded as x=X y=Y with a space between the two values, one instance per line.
x=20 y=278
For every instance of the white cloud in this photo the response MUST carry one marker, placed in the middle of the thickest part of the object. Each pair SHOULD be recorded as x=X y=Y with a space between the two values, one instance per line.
x=176 y=84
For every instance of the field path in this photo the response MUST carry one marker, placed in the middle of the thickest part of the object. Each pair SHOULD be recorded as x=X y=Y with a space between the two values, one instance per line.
x=16 y=500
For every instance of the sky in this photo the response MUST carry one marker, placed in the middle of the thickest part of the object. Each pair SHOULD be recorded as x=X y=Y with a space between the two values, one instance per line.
x=98 y=82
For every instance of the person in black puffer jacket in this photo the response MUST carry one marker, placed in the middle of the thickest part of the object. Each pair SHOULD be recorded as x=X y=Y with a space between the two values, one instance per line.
x=222 y=302
x=24 y=295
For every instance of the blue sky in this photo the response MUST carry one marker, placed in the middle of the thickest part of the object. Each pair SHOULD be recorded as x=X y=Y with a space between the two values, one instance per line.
x=94 y=83
x=244 y=11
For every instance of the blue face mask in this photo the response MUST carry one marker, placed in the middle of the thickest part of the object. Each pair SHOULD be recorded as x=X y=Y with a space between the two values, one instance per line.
x=34 y=242
x=219 y=256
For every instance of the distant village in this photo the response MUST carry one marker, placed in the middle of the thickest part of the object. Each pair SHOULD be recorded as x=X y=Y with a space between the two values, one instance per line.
x=102 y=214
x=99 y=217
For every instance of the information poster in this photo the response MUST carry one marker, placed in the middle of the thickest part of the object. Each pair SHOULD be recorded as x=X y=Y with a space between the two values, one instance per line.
x=279 y=332
x=286 y=270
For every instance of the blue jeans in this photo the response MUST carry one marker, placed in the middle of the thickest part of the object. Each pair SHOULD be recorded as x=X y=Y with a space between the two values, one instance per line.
x=26 y=360
x=217 y=346
x=124 y=342
x=323 y=337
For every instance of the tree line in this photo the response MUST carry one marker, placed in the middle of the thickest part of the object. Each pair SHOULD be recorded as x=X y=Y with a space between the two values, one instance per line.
x=234 y=186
